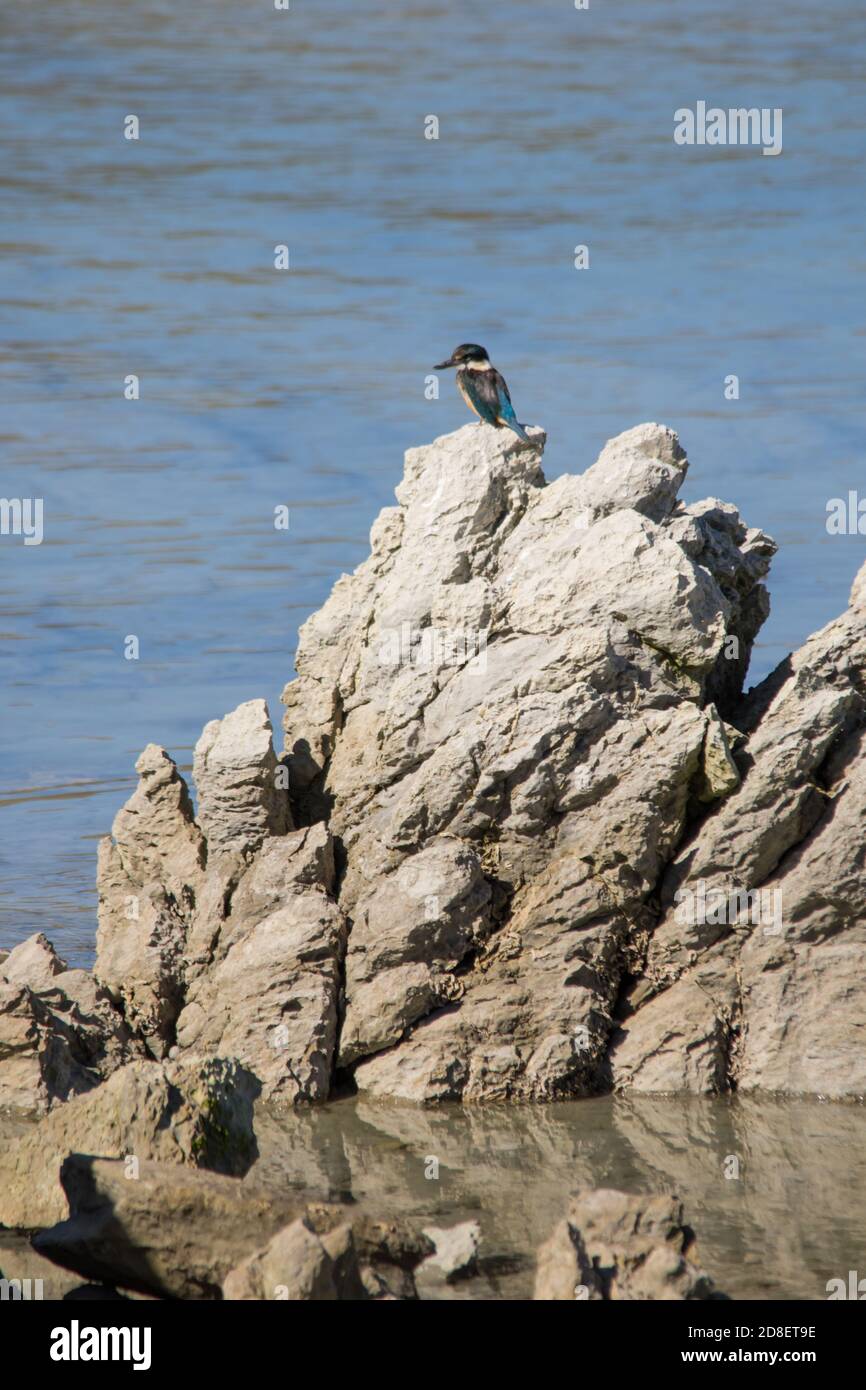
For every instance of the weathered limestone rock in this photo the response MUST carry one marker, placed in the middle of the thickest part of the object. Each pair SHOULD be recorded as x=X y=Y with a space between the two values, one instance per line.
x=737 y=557
x=755 y=970
x=268 y=991
x=521 y=767
x=615 y=1246
x=299 y=1265
x=721 y=776
x=642 y=469
x=235 y=771
x=456 y=1251
x=680 y=1040
x=155 y=833
x=197 y=1112
x=272 y=999
x=226 y=942
x=408 y=936
x=34 y=963
x=150 y=874
x=513 y=688
x=389 y=1253
x=60 y=1034
x=184 y=1233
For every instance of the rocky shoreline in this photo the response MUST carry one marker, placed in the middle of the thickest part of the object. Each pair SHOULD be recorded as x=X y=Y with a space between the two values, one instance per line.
x=528 y=840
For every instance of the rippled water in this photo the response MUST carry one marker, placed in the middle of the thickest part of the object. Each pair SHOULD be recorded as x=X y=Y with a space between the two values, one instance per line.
x=261 y=388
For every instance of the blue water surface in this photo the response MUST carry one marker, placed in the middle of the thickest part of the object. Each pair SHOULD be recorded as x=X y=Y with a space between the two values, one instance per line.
x=261 y=388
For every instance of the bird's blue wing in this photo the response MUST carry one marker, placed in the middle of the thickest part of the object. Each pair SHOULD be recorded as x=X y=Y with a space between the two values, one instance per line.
x=505 y=408
x=505 y=412
x=481 y=394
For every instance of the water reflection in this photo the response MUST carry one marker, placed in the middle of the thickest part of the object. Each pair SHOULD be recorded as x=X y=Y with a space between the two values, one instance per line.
x=794 y=1217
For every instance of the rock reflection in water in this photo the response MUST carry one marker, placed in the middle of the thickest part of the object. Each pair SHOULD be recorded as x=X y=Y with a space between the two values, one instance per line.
x=793 y=1218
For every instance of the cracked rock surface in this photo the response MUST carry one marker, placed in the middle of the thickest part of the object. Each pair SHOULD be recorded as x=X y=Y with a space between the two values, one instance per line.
x=508 y=715
x=527 y=839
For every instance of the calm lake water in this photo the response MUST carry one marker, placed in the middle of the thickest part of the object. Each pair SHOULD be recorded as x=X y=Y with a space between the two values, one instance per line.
x=790 y=1217
x=793 y=1218
x=260 y=388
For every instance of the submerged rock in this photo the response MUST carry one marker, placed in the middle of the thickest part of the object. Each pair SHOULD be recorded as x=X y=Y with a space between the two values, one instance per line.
x=174 y=1231
x=182 y=1233
x=613 y=1246
x=333 y=1253
x=297 y=1265
x=30 y=1275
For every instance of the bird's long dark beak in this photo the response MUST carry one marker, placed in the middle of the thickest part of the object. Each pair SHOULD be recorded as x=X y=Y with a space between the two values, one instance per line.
x=441 y=365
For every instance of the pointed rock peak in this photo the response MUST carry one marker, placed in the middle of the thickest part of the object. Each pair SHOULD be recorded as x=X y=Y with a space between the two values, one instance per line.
x=241 y=787
x=237 y=739
x=153 y=761
x=642 y=469
x=460 y=460
x=33 y=962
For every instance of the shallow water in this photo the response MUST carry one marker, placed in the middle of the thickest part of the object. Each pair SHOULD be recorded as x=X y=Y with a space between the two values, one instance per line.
x=793 y=1219
x=261 y=388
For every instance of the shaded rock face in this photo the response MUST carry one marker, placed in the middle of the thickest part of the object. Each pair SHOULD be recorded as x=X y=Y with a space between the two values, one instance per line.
x=271 y=999
x=754 y=973
x=507 y=715
x=298 y=1266
x=36 y=1277
x=174 y=1231
x=60 y=1032
x=613 y=1246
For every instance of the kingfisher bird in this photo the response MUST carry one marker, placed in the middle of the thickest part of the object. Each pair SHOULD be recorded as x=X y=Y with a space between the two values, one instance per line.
x=483 y=388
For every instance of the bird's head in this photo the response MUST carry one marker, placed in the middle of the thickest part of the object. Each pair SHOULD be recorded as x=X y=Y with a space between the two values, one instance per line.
x=463 y=355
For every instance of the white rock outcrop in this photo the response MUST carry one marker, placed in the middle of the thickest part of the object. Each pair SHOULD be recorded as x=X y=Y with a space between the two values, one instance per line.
x=527 y=839
x=60 y=1032
x=507 y=714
